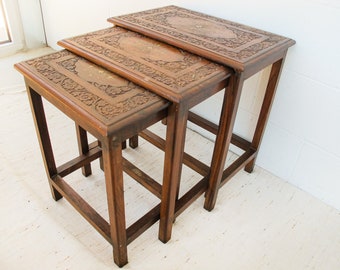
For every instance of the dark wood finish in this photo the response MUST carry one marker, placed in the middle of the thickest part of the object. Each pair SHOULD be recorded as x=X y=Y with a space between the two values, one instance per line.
x=112 y=158
x=80 y=162
x=143 y=223
x=223 y=139
x=43 y=137
x=213 y=128
x=142 y=178
x=189 y=197
x=83 y=146
x=237 y=165
x=133 y=141
x=174 y=148
x=96 y=220
x=188 y=160
x=245 y=49
x=265 y=109
x=112 y=109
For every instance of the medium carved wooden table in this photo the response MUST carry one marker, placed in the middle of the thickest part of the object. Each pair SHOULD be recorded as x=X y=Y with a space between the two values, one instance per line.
x=183 y=78
x=245 y=49
x=92 y=97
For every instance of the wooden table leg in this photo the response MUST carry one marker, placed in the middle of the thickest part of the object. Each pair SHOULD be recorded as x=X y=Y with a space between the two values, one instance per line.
x=113 y=168
x=39 y=117
x=265 y=110
x=83 y=146
x=174 y=148
x=228 y=115
x=133 y=141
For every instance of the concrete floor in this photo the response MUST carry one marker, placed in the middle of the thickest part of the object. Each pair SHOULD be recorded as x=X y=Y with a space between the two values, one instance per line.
x=259 y=222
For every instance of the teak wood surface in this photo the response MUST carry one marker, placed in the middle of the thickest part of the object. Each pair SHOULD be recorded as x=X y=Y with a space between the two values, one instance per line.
x=245 y=49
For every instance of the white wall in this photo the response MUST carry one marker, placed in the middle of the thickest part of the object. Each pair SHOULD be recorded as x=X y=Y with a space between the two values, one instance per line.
x=26 y=26
x=301 y=142
x=15 y=26
x=66 y=18
x=32 y=23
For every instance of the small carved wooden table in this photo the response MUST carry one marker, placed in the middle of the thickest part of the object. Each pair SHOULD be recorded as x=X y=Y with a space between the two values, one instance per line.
x=110 y=108
x=245 y=49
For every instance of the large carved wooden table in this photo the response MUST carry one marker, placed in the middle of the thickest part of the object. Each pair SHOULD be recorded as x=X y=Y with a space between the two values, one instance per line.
x=245 y=49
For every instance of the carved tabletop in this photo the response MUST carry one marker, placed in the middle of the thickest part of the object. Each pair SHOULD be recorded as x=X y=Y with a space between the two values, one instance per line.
x=233 y=44
x=87 y=89
x=166 y=70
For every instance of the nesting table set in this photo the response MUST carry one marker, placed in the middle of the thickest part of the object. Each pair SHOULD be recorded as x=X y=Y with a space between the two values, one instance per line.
x=150 y=66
